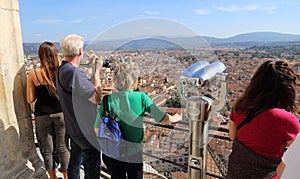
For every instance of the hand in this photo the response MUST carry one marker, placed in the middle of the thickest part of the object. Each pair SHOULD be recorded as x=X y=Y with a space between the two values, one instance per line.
x=177 y=117
x=96 y=61
x=91 y=57
x=99 y=64
x=96 y=131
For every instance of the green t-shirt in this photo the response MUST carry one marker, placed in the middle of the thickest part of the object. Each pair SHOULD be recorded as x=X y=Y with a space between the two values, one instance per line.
x=129 y=107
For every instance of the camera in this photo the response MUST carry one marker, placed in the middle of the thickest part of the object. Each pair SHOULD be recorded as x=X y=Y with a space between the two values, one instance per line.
x=106 y=63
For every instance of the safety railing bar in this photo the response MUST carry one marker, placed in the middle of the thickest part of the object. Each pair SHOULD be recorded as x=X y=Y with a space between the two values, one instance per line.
x=213 y=175
x=219 y=129
x=227 y=138
x=173 y=127
x=167 y=161
x=216 y=160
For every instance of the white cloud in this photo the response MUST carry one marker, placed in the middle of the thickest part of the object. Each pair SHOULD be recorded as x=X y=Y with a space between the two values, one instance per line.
x=250 y=8
x=271 y=9
x=47 y=21
x=94 y=18
x=151 y=12
x=236 y=8
x=39 y=35
x=202 y=11
x=76 y=21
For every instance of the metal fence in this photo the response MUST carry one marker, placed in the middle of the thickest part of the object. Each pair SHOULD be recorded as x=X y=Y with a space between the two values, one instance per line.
x=166 y=151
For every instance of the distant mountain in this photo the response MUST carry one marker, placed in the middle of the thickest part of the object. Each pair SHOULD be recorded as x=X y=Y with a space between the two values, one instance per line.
x=30 y=47
x=241 y=40
x=255 y=39
x=264 y=37
x=149 y=43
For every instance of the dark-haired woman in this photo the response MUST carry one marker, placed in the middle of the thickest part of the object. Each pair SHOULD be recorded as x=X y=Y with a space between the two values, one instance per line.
x=268 y=105
x=49 y=116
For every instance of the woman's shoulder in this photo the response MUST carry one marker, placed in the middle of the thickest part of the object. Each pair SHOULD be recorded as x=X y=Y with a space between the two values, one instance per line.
x=30 y=72
x=279 y=112
x=33 y=73
x=140 y=93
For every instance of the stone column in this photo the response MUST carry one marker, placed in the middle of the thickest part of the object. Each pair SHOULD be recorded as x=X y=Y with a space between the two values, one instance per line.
x=18 y=156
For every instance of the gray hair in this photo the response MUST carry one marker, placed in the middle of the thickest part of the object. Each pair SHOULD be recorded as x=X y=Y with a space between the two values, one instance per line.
x=125 y=77
x=71 y=44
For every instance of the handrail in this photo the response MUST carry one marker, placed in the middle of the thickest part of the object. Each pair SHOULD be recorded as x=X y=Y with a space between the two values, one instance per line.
x=183 y=127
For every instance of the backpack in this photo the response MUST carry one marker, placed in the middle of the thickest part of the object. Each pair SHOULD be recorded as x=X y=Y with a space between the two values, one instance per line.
x=110 y=137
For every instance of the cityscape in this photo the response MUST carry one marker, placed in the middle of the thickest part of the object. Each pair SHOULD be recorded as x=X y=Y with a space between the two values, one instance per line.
x=165 y=41
x=166 y=149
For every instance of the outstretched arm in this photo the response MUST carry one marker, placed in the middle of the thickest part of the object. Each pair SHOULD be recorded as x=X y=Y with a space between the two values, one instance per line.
x=96 y=66
x=232 y=130
x=171 y=119
x=280 y=169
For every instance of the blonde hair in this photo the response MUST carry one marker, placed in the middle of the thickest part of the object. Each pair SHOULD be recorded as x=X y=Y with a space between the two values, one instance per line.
x=49 y=63
x=125 y=77
x=71 y=44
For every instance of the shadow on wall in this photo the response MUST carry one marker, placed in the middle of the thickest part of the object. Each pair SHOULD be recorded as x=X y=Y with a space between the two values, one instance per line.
x=19 y=158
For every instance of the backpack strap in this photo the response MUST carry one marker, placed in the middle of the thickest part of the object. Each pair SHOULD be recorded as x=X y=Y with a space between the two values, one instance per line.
x=249 y=118
x=106 y=108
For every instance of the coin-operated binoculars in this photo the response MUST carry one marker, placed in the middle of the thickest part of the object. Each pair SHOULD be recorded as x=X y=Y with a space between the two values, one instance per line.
x=203 y=88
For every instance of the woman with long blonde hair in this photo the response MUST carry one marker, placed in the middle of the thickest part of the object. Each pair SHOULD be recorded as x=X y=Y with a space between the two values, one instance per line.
x=49 y=117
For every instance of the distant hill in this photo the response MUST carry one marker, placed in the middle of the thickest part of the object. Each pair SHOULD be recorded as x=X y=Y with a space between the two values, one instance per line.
x=149 y=43
x=264 y=37
x=255 y=39
x=30 y=47
x=241 y=40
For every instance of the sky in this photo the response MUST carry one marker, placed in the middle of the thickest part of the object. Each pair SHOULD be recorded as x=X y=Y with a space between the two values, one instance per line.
x=50 y=20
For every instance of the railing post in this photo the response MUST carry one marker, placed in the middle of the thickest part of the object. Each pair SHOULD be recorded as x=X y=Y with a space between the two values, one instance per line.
x=198 y=110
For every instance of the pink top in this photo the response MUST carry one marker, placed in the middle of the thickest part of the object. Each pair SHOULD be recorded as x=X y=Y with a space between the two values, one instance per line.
x=268 y=133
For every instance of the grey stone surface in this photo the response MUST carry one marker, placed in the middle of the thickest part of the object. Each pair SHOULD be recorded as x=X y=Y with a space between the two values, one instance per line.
x=18 y=157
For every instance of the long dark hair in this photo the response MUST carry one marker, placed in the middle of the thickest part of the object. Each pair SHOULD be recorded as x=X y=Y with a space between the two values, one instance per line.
x=49 y=63
x=272 y=86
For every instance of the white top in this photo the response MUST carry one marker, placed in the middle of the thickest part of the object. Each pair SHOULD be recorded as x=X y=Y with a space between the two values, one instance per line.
x=291 y=159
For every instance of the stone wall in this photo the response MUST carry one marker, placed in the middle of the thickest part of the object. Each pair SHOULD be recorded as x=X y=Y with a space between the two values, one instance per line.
x=18 y=156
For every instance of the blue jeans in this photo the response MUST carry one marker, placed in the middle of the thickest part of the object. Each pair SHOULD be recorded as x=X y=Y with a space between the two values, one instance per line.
x=83 y=151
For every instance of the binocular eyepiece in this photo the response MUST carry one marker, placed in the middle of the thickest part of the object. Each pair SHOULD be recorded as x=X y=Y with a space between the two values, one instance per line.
x=204 y=79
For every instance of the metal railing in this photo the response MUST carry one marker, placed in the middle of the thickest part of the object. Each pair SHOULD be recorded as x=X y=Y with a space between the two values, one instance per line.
x=175 y=163
x=166 y=155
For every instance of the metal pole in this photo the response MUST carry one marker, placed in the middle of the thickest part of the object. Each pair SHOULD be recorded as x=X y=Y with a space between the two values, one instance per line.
x=198 y=110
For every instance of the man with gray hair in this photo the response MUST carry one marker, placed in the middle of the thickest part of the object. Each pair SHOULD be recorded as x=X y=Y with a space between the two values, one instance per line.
x=79 y=98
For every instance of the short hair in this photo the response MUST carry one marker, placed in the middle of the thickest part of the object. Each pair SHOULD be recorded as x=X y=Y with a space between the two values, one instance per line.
x=272 y=86
x=71 y=44
x=125 y=76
